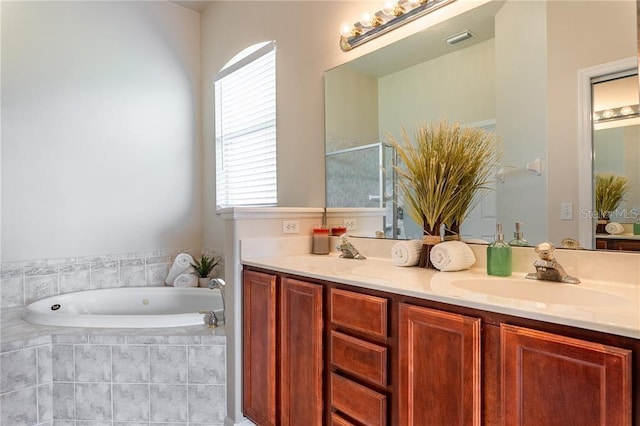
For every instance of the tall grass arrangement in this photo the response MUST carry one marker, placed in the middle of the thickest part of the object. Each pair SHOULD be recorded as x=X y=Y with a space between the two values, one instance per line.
x=443 y=172
x=611 y=190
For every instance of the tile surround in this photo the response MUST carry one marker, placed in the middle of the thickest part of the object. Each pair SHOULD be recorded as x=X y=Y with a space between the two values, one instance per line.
x=53 y=376
x=27 y=281
x=109 y=377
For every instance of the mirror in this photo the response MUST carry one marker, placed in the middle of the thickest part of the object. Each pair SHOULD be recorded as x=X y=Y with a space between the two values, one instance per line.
x=516 y=76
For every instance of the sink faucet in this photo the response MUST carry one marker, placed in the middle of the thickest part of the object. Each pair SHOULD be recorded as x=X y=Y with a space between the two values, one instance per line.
x=347 y=249
x=219 y=284
x=548 y=268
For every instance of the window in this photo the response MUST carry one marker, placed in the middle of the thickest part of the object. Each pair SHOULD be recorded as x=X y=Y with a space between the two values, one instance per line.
x=245 y=113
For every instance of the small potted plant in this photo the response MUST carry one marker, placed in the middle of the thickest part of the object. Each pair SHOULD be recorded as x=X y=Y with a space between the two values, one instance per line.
x=203 y=268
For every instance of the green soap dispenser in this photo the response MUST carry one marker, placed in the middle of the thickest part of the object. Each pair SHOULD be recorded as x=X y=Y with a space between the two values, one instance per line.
x=499 y=255
x=519 y=236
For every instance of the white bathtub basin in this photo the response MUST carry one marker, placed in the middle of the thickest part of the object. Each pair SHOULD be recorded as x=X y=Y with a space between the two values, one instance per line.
x=130 y=307
x=540 y=291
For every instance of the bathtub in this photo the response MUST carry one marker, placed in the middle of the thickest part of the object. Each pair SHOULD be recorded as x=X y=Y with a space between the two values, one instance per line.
x=129 y=307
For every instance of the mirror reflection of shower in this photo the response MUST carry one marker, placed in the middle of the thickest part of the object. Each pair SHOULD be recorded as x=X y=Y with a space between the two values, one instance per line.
x=363 y=176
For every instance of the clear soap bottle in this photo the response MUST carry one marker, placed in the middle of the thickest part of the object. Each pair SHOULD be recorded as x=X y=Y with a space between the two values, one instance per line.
x=518 y=239
x=499 y=255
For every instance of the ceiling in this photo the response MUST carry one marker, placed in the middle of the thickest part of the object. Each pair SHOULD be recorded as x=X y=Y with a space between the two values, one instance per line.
x=197 y=5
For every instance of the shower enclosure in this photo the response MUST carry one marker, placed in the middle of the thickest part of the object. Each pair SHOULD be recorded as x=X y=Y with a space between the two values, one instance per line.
x=363 y=176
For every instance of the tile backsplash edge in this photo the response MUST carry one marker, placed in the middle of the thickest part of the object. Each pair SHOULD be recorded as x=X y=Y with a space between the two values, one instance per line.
x=23 y=282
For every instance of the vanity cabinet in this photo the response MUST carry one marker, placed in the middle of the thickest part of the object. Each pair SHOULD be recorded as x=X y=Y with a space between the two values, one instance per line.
x=548 y=379
x=439 y=367
x=397 y=360
x=282 y=350
x=619 y=244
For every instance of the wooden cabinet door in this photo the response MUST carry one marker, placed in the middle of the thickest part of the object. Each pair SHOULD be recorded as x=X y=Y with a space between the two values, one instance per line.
x=551 y=380
x=259 y=347
x=301 y=355
x=439 y=378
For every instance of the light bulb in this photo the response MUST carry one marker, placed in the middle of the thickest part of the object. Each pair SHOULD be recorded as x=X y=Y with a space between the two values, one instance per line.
x=626 y=110
x=607 y=113
x=346 y=30
x=388 y=8
x=365 y=21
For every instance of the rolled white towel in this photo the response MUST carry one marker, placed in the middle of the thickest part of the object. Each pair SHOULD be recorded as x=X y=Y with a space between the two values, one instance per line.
x=186 y=280
x=614 y=228
x=450 y=256
x=406 y=253
x=182 y=265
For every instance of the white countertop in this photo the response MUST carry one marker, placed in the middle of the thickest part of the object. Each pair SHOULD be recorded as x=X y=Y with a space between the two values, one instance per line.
x=608 y=307
x=626 y=236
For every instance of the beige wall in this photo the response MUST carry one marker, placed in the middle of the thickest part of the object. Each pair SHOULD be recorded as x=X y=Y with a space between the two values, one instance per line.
x=307 y=40
x=100 y=128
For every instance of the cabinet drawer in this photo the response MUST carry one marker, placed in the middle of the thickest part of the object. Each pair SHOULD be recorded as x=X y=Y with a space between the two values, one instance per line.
x=359 y=312
x=363 y=359
x=336 y=420
x=356 y=401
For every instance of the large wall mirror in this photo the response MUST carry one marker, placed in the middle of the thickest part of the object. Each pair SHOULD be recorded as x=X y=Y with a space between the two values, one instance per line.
x=518 y=75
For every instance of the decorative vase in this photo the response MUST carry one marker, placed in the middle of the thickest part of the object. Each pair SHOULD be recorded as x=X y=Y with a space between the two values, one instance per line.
x=452 y=233
x=202 y=282
x=601 y=224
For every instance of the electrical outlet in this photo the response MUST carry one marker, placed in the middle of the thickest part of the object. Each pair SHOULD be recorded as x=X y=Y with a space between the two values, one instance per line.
x=566 y=211
x=350 y=224
x=290 y=226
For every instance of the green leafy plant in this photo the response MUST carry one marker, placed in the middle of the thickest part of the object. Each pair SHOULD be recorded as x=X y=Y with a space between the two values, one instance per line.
x=610 y=191
x=204 y=266
x=444 y=172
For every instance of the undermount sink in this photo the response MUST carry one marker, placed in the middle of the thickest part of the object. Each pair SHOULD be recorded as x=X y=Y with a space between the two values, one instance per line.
x=540 y=291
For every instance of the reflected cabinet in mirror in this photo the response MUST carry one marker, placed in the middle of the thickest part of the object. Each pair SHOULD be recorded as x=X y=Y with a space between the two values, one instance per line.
x=529 y=73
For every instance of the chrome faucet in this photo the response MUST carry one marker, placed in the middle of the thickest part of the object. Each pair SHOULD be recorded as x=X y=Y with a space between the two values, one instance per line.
x=219 y=284
x=348 y=250
x=212 y=318
x=548 y=268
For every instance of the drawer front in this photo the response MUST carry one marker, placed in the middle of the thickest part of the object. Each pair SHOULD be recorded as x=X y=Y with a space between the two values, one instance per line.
x=356 y=401
x=336 y=420
x=360 y=312
x=363 y=359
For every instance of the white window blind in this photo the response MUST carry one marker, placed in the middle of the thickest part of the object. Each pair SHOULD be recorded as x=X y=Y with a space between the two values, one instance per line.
x=245 y=110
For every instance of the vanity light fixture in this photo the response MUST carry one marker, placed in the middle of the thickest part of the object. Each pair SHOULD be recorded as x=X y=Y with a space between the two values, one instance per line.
x=611 y=114
x=390 y=17
x=462 y=36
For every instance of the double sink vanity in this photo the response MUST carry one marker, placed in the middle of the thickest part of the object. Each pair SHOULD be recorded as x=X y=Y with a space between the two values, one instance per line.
x=328 y=340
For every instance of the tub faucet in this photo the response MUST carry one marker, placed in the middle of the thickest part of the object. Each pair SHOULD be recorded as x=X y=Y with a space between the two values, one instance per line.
x=347 y=249
x=219 y=284
x=548 y=268
x=212 y=318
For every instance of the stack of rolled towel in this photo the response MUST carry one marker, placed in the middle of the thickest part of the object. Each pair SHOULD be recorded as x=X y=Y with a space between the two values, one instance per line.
x=406 y=253
x=181 y=273
x=449 y=256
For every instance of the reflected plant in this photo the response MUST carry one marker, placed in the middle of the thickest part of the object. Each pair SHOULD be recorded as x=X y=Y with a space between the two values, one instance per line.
x=611 y=190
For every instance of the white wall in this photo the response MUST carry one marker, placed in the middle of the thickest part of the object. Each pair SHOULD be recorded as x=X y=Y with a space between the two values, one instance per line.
x=459 y=86
x=100 y=115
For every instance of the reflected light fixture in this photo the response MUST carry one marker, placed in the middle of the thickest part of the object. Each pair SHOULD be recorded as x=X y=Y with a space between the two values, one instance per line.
x=611 y=114
x=390 y=17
